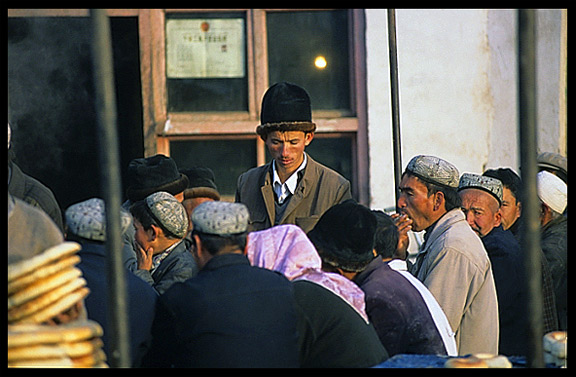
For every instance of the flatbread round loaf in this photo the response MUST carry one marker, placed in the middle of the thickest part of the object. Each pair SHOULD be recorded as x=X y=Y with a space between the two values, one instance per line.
x=51 y=254
x=42 y=272
x=42 y=286
x=82 y=348
x=44 y=300
x=30 y=334
x=56 y=308
x=36 y=352
x=58 y=362
x=95 y=358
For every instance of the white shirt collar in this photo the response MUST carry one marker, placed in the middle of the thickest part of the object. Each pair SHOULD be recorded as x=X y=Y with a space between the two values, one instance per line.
x=289 y=187
x=398 y=265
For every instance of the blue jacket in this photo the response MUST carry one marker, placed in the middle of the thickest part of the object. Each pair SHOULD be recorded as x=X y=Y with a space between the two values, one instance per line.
x=230 y=315
x=140 y=296
x=178 y=266
x=507 y=267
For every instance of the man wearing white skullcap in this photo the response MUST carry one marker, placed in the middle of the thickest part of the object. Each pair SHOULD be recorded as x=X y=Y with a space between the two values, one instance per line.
x=553 y=194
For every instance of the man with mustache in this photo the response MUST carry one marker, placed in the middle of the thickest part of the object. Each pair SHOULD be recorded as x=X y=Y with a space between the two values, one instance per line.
x=452 y=262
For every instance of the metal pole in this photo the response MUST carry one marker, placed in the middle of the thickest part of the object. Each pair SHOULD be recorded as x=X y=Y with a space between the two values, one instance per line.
x=530 y=202
x=111 y=186
x=396 y=147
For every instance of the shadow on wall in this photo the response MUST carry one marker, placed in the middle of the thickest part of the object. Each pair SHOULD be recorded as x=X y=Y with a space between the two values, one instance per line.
x=51 y=101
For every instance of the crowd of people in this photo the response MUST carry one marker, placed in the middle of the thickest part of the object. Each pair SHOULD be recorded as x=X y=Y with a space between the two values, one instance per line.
x=295 y=272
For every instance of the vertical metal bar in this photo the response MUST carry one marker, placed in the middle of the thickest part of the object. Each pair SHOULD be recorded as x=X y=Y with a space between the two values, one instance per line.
x=396 y=147
x=530 y=201
x=111 y=186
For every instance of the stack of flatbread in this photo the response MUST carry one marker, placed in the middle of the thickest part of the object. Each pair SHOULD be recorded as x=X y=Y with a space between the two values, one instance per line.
x=74 y=345
x=40 y=288
x=45 y=285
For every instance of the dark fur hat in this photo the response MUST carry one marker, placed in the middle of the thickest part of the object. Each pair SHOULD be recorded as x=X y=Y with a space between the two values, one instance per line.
x=285 y=107
x=344 y=236
x=201 y=183
x=152 y=174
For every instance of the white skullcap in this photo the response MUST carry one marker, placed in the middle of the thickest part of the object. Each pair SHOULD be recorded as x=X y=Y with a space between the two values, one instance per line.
x=552 y=191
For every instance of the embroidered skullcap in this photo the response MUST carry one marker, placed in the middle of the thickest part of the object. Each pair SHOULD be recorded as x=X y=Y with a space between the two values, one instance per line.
x=87 y=219
x=552 y=191
x=491 y=185
x=434 y=170
x=169 y=212
x=220 y=218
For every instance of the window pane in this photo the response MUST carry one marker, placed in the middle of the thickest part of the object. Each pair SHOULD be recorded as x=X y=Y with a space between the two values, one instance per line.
x=227 y=158
x=311 y=49
x=206 y=62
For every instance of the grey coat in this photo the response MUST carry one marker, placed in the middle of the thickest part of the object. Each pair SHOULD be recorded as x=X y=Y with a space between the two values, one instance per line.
x=455 y=267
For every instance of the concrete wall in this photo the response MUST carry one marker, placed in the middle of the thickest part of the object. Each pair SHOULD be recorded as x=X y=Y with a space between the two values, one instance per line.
x=458 y=82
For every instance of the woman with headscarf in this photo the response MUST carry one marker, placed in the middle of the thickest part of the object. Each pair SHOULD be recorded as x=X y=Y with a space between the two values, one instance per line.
x=334 y=328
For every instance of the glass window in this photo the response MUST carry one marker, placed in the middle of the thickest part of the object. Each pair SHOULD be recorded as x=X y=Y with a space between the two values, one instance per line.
x=336 y=153
x=311 y=49
x=206 y=62
x=227 y=158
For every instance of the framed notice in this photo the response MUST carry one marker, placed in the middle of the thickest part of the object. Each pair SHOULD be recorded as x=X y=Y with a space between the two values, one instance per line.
x=205 y=48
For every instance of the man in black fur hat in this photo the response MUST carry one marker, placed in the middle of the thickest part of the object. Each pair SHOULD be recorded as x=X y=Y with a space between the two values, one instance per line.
x=292 y=188
x=145 y=177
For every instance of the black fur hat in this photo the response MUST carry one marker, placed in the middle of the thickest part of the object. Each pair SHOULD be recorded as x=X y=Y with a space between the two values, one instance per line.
x=151 y=174
x=344 y=236
x=285 y=107
x=201 y=183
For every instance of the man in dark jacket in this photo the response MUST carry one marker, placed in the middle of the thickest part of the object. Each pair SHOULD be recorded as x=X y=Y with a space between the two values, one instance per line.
x=231 y=314
x=511 y=220
x=344 y=240
x=481 y=201
x=161 y=223
x=85 y=222
x=292 y=188
x=553 y=194
x=145 y=177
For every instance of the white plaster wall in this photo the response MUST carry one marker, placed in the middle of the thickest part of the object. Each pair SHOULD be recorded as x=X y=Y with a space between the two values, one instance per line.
x=502 y=39
x=458 y=83
x=445 y=102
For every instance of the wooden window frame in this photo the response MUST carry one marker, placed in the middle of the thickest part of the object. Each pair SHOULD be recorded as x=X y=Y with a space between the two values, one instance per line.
x=160 y=127
x=200 y=125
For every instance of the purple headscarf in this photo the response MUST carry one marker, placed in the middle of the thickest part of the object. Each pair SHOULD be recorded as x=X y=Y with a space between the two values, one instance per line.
x=287 y=249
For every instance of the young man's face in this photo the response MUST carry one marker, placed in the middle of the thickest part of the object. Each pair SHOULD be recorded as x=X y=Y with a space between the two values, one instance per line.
x=141 y=236
x=510 y=209
x=287 y=148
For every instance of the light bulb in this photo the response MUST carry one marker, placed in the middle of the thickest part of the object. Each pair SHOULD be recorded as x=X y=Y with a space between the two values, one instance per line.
x=320 y=62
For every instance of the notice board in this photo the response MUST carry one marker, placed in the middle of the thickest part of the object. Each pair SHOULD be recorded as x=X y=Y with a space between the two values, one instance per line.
x=205 y=48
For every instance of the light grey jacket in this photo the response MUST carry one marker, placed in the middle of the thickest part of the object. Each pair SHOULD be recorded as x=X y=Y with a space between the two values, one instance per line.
x=455 y=267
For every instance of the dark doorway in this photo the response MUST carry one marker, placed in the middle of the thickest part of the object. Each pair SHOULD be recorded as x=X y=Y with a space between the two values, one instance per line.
x=51 y=101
